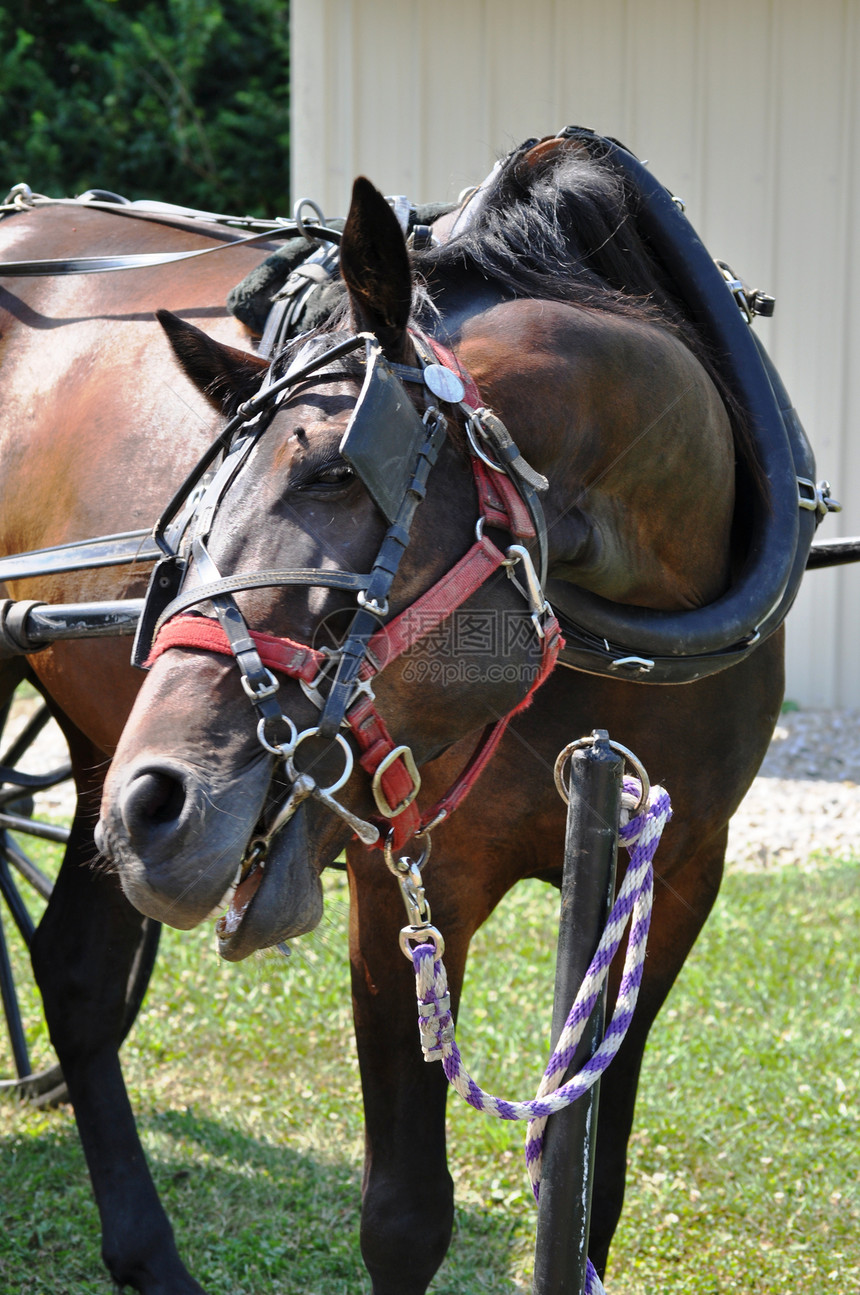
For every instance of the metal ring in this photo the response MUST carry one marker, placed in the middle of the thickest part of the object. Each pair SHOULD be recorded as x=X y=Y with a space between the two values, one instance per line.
x=388 y=853
x=581 y=742
x=476 y=449
x=297 y=217
x=284 y=749
x=423 y=935
x=347 y=754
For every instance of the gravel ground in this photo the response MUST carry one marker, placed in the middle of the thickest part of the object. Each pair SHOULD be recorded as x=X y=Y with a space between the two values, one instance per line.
x=805 y=801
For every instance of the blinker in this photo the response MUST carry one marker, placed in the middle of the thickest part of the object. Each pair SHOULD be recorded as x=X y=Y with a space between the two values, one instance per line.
x=384 y=435
x=164 y=585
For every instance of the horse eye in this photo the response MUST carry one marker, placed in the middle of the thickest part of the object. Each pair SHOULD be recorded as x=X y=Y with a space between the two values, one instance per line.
x=337 y=473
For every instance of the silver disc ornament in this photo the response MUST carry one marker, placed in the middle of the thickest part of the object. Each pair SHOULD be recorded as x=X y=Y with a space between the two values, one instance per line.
x=444 y=383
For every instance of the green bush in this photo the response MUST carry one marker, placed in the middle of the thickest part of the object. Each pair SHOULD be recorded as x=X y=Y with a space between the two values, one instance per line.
x=183 y=100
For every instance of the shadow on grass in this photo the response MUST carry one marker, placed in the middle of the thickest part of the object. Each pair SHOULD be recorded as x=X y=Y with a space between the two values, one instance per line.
x=251 y=1217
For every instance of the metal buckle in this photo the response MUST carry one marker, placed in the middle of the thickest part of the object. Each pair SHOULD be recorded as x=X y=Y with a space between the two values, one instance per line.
x=738 y=290
x=475 y=428
x=385 y=809
x=639 y=664
x=371 y=605
x=361 y=688
x=312 y=689
x=817 y=498
x=259 y=693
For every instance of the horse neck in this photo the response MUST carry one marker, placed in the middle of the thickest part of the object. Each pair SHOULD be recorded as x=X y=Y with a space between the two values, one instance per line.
x=629 y=430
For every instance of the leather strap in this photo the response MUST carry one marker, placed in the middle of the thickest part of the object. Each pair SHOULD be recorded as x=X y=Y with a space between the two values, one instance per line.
x=202 y=634
x=433 y=607
x=348 y=580
x=132 y=261
x=501 y=502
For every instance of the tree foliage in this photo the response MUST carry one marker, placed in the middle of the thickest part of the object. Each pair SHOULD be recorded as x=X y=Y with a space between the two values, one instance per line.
x=182 y=100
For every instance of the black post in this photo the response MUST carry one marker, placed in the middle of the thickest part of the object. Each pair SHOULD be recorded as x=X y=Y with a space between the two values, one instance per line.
x=587 y=891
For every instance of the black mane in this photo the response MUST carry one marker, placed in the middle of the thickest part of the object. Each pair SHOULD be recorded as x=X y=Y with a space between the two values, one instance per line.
x=561 y=228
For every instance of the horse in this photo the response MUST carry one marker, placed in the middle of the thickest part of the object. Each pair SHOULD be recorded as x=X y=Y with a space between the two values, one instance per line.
x=391 y=653
x=97 y=427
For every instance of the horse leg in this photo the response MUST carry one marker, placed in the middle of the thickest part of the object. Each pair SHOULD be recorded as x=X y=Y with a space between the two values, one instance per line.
x=682 y=903
x=408 y=1194
x=92 y=954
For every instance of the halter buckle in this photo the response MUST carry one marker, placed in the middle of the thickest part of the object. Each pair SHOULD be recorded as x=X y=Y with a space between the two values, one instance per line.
x=387 y=810
x=259 y=691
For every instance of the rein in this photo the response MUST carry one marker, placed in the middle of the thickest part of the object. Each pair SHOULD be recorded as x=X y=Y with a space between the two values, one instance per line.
x=21 y=198
x=340 y=682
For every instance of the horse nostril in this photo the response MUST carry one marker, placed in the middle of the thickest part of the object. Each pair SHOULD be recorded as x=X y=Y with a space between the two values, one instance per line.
x=153 y=799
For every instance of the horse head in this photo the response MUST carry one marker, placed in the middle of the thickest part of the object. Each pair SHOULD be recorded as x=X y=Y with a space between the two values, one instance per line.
x=332 y=556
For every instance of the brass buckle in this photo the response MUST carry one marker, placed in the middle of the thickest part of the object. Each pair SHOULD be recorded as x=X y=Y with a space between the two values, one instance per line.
x=399 y=752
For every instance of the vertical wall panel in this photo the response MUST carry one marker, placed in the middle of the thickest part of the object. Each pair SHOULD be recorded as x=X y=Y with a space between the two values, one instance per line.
x=455 y=130
x=747 y=109
x=846 y=325
x=590 y=60
x=810 y=237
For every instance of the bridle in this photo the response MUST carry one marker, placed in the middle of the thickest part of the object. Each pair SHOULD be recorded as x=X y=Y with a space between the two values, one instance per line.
x=393 y=449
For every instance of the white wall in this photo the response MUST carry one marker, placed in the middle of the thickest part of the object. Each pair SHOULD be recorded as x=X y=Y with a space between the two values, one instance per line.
x=748 y=109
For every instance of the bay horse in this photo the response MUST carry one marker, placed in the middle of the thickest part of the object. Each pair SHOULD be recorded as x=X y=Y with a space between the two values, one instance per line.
x=546 y=307
x=97 y=426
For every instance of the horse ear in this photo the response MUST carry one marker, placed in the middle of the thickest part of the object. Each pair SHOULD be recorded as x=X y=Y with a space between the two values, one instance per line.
x=225 y=375
x=374 y=265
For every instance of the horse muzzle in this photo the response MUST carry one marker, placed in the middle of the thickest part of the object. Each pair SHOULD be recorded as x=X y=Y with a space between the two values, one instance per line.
x=181 y=849
x=176 y=838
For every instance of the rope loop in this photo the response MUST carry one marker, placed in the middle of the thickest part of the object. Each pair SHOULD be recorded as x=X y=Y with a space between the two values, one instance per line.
x=640 y=835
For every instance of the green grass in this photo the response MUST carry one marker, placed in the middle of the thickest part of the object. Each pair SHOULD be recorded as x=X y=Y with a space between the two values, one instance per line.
x=743 y=1168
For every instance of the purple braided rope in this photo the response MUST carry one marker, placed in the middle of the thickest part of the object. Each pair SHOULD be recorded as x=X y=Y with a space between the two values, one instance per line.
x=633 y=904
x=593 y=1284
